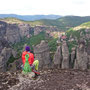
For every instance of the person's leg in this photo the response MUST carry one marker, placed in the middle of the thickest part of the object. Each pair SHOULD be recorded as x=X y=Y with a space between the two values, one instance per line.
x=22 y=67
x=33 y=66
x=36 y=64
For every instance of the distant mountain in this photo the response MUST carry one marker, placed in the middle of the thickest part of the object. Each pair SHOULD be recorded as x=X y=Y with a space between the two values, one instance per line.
x=72 y=21
x=30 y=17
x=66 y=22
x=63 y=23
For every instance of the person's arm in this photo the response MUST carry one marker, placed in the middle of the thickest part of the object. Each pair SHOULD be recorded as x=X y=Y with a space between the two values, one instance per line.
x=23 y=59
x=32 y=58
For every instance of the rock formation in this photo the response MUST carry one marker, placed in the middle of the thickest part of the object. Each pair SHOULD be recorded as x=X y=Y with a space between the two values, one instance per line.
x=4 y=56
x=65 y=55
x=14 y=32
x=58 y=58
x=81 y=58
x=78 y=57
x=24 y=29
x=47 y=29
x=42 y=54
x=88 y=53
x=73 y=57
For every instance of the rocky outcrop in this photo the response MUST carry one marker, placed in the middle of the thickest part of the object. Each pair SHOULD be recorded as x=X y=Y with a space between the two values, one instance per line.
x=24 y=29
x=58 y=58
x=65 y=55
x=38 y=29
x=72 y=57
x=14 y=32
x=81 y=58
x=88 y=53
x=61 y=57
x=5 y=51
x=42 y=54
x=47 y=29
x=4 y=56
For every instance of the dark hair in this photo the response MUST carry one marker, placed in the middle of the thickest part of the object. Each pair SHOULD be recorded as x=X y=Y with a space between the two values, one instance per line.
x=27 y=48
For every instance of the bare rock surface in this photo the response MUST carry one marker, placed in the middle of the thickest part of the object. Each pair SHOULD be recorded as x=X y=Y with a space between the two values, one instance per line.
x=57 y=57
x=65 y=55
x=42 y=53
x=81 y=57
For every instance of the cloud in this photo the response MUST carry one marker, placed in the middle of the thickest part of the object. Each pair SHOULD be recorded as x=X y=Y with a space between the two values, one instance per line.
x=61 y=7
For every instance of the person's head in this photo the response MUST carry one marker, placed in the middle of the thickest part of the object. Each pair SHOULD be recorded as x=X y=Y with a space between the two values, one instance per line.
x=27 y=48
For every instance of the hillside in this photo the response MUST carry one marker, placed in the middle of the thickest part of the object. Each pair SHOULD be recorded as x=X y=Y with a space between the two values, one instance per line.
x=78 y=34
x=63 y=23
x=66 y=22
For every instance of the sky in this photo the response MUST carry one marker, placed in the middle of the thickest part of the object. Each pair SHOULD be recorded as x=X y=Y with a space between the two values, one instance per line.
x=38 y=7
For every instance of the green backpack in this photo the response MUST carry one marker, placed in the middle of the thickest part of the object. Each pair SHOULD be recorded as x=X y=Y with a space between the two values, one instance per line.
x=27 y=67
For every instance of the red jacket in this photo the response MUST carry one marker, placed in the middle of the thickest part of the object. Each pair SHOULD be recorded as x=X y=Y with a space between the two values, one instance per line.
x=31 y=57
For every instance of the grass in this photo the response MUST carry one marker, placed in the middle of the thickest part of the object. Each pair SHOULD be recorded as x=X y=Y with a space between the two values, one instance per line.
x=87 y=24
x=53 y=45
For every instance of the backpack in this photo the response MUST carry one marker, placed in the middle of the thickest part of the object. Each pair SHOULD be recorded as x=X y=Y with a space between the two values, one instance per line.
x=27 y=67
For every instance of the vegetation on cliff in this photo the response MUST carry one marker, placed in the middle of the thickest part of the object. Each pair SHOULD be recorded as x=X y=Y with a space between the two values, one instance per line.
x=76 y=33
x=34 y=40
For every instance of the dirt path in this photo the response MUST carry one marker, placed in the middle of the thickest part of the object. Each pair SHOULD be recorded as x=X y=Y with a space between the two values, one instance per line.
x=63 y=80
x=50 y=80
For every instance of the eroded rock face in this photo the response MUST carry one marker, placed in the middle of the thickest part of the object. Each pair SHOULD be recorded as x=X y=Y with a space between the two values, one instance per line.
x=3 y=43
x=47 y=29
x=24 y=29
x=65 y=55
x=12 y=33
x=38 y=29
x=4 y=56
x=42 y=54
x=81 y=58
x=88 y=52
x=57 y=58
x=73 y=56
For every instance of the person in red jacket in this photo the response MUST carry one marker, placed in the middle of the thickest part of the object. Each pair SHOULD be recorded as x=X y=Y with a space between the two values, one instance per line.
x=33 y=64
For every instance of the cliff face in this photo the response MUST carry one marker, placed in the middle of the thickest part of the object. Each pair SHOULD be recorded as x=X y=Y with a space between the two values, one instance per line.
x=58 y=57
x=5 y=52
x=24 y=29
x=79 y=57
x=10 y=33
x=65 y=55
x=14 y=32
x=47 y=29
x=42 y=54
